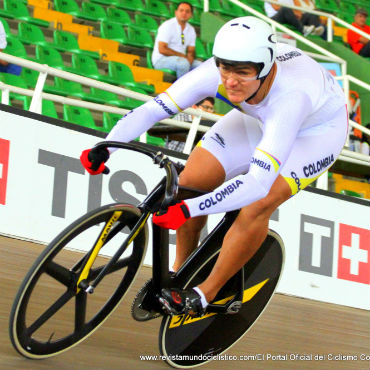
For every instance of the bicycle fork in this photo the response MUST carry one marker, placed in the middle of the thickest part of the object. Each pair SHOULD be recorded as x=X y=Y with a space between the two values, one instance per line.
x=103 y=238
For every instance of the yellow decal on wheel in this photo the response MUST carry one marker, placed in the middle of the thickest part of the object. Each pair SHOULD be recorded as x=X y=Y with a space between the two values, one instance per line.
x=103 y=236
x=248 y=294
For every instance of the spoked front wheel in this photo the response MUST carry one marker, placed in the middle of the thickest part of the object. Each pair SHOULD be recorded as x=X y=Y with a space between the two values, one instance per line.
x=188 y=342
x=51 y=313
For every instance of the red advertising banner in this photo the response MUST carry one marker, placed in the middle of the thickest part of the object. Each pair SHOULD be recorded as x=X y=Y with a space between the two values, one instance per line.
x=4 y=160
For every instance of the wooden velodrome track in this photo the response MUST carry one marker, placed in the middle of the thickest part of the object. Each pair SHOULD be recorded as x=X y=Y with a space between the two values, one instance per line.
x=288 y=326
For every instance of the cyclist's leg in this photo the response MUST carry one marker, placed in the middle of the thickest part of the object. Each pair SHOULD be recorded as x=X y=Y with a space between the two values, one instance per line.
x=312 y=155
x=213 y=161
x=196 y=175
x=244 y=237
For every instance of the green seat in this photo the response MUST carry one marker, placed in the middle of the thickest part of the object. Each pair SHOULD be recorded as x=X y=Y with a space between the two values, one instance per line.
x=150 y=64
x=106 y=2
x=157 y=8
x=70 y=88
x=19 y=11
x=200 y=51
x=119 y=16
x=51 y=57
x=113 y=31
x=17 y=81
x=348 y=7
x=65 y=41
x=67 y=6
x=198 y=4
x=156 y=141
x=139 y=37
x=146 y=21
x=16 y=48
x=106 y=97
x=47 y=108
x=86 y=66
x=103 y=97
x=351 y=193
x=329 y=6
x=80 y=116
x=195 y=19
x=31 y=76
x=215 y=6
x=110 y=119
x=134 y=5
x=31 y=34
x=233 y=10
x=93 y=12
x=209 y=48
x=122 y=73
x=6 y=27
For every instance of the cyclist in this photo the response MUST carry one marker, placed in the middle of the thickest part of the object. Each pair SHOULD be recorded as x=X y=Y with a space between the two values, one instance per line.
x=288 y=125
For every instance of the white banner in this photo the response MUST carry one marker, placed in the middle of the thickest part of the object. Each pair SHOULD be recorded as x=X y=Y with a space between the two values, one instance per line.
x=43 y=188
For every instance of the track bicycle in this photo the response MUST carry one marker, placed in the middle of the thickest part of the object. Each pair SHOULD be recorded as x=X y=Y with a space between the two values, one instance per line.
x=56 y=308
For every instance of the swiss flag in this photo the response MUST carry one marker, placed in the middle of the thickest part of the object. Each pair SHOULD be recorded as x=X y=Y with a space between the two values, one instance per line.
x=354 y=254
x=4 y=160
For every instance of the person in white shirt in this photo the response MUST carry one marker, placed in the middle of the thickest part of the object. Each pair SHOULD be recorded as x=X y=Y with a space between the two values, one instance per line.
x=5 y=66
x=174 y=46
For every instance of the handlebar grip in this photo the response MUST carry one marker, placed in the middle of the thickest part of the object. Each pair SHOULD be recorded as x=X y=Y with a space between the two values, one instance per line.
x=106 y=170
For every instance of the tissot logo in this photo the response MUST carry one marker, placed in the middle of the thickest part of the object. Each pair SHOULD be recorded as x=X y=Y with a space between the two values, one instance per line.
x=4 y=160
x=316 y=252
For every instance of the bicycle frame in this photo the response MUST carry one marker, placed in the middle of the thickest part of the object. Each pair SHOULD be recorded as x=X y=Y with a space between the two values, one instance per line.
x=160 y=239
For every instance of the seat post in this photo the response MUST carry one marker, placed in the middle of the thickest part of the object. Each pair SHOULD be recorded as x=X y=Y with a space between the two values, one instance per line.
x=160 y=258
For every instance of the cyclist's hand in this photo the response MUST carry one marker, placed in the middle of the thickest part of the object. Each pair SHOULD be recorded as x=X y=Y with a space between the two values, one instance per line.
x=173 y=217
x=94 y=160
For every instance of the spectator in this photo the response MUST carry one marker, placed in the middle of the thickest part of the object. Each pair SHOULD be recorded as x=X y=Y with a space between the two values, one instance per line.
x=305 y=23
x=365 y=141
x=206 y=105
x=174 y=46
x=5 y=66
x=358 y=43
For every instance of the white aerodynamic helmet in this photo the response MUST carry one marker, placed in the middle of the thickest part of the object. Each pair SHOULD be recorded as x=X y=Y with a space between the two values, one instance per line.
x=246 y=40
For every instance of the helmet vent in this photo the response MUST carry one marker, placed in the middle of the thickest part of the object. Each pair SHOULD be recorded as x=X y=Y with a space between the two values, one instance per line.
x=237 y=24
x=271 y=54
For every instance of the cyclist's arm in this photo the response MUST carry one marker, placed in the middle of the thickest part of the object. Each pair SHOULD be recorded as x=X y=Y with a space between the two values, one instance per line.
x=186 y=91
x=280 y=132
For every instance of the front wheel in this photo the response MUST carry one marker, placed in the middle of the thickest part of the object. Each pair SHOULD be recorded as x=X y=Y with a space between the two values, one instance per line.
x=51 y=313
x=187 y=342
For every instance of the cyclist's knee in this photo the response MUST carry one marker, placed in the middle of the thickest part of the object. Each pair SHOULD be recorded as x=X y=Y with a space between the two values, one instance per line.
x=202 y=171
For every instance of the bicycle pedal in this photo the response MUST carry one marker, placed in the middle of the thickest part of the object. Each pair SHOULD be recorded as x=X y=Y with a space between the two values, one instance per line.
x=234 y=308
x=166 y=307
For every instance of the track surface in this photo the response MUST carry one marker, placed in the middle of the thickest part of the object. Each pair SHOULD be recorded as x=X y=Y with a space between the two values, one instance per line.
x=288 y=326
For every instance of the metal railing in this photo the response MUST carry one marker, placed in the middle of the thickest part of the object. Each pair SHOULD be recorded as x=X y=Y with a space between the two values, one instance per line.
x=44 y=70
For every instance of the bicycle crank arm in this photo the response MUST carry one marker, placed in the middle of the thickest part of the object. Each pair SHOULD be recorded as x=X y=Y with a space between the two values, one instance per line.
x=233 y=305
